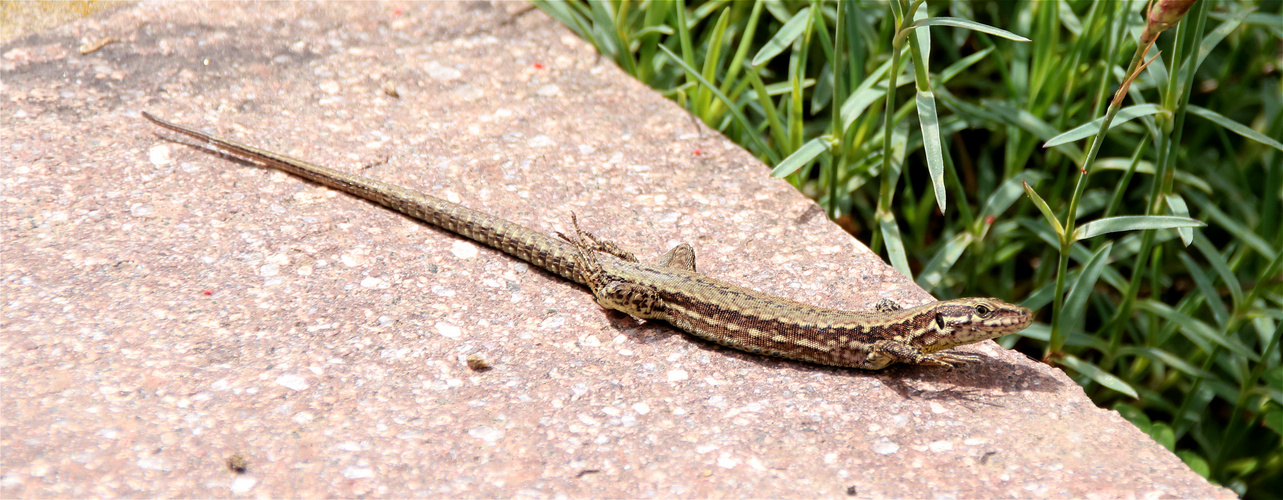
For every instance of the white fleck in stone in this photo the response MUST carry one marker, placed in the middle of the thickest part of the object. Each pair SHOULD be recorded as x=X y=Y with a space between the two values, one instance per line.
x=449 y=331
x=704 y=448
x=243 y=484
x=372 y=282
x=303 y=418
x=590 y=341
x=468 y=93
x=619 y=339
x=269 y=270
x=350 y=260
x=292 y=382
x=677 y=375
x=975 y=441
x=830 y=458
x=939 y=446
x=463 y=250
x=486 y=433
x=349 y=446
x=588 y=421
x=612 y=411
x=549 y=90
x=726 y=462
x=539 y=141
x=358 y=473
x=220 y=385
x=586 y=149
x=442 y=291
x=937 y=408
x=329 y=87
x=152 y=463
x=159 y=155
x=885 y=447
x=641 y=408
x=304 y=270
x=552 y=322
x=442 y=73
x=141 y=210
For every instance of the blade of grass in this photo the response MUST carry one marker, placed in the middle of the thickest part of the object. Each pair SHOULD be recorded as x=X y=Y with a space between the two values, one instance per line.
x=1101 y=377
x=757 y=141
x=1131 y=223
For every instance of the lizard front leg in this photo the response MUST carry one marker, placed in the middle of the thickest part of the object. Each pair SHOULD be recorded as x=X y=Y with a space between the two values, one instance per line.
x=906 y=353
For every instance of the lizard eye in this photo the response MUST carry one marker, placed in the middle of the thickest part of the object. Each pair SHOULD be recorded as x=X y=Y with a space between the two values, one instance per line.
x=983 y=310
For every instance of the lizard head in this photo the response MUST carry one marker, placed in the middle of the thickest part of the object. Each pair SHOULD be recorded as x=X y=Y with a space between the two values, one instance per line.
x=970 y=320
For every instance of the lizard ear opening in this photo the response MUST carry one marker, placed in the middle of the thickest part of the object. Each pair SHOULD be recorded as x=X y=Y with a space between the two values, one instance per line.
x=940 y=321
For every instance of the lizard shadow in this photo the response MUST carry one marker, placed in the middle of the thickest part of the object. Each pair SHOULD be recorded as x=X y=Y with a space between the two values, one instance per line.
x=990 y=374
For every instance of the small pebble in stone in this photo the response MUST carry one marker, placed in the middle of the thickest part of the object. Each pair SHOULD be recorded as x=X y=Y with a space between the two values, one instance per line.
x=237 y=463
x=478 y=362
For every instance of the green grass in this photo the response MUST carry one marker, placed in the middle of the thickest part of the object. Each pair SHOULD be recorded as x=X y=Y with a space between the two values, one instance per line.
x=1146 y=233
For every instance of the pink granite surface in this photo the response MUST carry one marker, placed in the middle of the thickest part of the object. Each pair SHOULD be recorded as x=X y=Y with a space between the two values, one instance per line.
x=179 y=324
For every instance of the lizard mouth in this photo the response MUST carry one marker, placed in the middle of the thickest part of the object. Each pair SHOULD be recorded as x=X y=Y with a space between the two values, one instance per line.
x=1010 y=323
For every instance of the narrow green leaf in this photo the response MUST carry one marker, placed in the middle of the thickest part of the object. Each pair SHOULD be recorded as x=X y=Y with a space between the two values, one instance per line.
x=1233 y=126
x=1221 y=266
x=783 y=38
x=1075 y=307
x=895 y=245
x=1046 y=211
x=1042 y=333
x=1177 y=205
x=800 y=158
x=1233 y=225
x=962 y=65
x=779 y=88
x=944 y=259
x=1006 y=194
x=931 y=144
x=662 y=29
x=1092 y=128
x=1145 y=167
x=1132 y=223
x=1208 y=289
x=1101 y=377
x=1197 y=331
x=1167 y=358
x=735 y=111
x=869 y=91
x=968 y=24
x=1215 y=36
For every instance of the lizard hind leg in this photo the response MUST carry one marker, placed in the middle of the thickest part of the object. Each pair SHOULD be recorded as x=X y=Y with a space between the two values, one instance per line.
x=586 y=239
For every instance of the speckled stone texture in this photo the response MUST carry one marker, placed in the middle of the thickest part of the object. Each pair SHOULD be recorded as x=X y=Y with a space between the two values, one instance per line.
x=179 y=324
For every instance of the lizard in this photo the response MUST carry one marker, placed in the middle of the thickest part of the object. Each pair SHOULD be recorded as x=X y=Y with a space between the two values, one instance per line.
x=670 y=289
